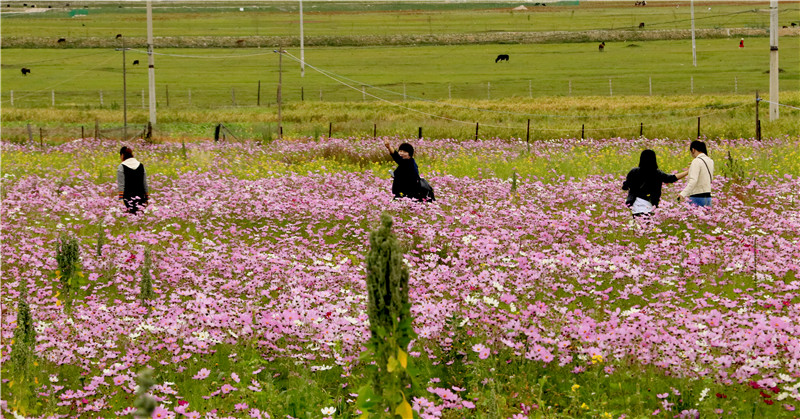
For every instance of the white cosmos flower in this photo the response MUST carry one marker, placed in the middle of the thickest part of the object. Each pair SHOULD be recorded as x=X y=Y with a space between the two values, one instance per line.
x=328 y=410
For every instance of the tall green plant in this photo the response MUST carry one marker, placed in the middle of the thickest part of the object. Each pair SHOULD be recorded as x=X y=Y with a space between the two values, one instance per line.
x=146 y=286
x=144 y=403
x=23 y=350
x=390 y=326
x=67 y=256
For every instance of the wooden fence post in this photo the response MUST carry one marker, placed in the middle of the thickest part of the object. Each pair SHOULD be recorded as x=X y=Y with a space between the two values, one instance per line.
x=528 y=136
x=330 y=129
x=12 y=97
x=698 y=127
x=641 y=129
x=233 y=96
x=83 y=135
x=167 y=90
x=258 y=94
x=420 y=133
x=758 y=121
x=96 y=129
x=101 y=98
x=302 y=94
x=582 y=128
x=477 y=124
x=41 y=137
x=30 y=134
x=374 y=131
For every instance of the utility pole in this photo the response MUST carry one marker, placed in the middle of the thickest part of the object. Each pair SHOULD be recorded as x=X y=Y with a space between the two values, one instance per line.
x=280 y=82
x=774 y=70
x=694 y=45
x=302 y=47
x=124 y=94
x=151 y=67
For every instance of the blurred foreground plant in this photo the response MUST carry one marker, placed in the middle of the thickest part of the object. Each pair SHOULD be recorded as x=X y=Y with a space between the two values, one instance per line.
x=390 y=326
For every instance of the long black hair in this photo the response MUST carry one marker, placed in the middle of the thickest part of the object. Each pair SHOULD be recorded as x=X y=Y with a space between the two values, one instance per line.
x=699 y=146
x=648 y=161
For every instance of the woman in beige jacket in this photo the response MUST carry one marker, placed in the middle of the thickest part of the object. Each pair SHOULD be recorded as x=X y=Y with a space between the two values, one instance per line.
x=701 y=172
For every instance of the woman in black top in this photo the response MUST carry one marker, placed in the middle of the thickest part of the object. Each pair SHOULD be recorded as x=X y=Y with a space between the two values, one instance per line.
x=643 y=184
x=406 y=176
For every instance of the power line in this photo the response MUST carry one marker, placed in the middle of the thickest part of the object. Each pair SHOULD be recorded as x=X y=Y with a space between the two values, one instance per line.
x=490 y=125
x=330 y=74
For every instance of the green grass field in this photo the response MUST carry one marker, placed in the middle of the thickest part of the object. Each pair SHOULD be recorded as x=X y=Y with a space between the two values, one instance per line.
x=326 y=19
x=428 y=72
x=346 y=85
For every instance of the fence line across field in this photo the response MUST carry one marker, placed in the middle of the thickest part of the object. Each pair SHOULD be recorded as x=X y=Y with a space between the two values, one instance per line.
x=432 y=115
x=248 y=94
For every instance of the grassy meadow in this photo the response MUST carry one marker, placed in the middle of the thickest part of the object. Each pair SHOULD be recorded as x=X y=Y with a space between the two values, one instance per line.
x=186 y=19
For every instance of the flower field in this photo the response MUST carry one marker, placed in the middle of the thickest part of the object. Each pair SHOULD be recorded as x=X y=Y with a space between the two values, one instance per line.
x=534 y=292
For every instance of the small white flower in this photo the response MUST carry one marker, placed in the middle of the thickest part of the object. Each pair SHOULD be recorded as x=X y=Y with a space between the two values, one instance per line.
x=328 y=410
x=53 y=378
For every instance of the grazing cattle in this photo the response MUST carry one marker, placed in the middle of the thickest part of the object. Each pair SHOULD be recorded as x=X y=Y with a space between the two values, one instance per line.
x=135 y=62
x=602 y=46
x=61 y=40
x=25 y=71
x=119 y=35
x=239 y=42
x=641 y=25
x=501 y=57
x=794 y=24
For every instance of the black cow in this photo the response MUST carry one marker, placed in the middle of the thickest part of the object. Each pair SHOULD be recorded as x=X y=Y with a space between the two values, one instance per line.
x=641 y=25
x=602 y=46
x=135 y=62
x=25 y=71
x=61 y=40
x=501 y=57
x=119 y=35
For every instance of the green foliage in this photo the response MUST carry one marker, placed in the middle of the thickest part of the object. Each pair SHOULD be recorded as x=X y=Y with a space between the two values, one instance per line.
x=144 y=403
x=23 y=351
x=100 y=239
x=24 y=334
x=146 y=285
x=68 y=258
x=390 y=327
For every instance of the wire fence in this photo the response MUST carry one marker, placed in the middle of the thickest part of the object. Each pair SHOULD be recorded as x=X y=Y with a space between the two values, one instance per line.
x=259 y=93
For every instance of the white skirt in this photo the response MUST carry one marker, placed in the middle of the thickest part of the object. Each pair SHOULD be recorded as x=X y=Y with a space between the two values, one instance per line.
x=641 y=206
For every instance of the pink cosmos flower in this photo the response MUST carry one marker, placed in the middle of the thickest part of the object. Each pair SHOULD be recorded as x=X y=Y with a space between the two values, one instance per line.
x=235 y=377
x=227 y=388
x=202 y=374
